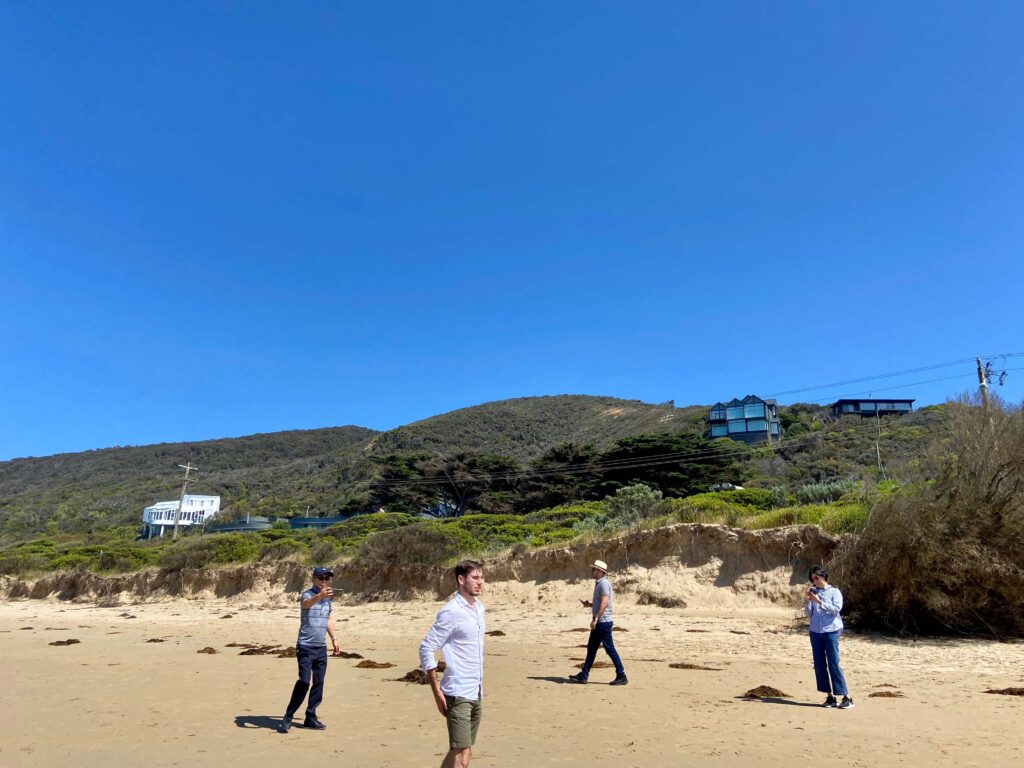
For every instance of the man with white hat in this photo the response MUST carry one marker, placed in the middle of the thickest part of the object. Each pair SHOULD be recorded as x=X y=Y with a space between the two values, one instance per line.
x=600 y=626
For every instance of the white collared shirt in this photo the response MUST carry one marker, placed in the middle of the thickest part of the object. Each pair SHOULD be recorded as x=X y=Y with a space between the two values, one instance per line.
x=459 y=632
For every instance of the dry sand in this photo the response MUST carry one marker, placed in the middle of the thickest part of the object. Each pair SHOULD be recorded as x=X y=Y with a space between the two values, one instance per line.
x=116 y=698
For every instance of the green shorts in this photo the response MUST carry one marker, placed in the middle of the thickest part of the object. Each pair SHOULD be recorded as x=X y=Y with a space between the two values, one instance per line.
x=463 y=721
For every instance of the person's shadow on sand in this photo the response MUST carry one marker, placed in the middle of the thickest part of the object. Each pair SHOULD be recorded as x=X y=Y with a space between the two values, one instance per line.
x=257 y=721
x=559 y=680
x=775 y=700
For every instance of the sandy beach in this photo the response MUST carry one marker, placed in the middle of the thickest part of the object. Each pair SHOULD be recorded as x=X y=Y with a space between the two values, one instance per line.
x=118 y=698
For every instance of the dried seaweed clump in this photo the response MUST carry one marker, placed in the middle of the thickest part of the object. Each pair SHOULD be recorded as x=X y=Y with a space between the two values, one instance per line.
x=765 y=692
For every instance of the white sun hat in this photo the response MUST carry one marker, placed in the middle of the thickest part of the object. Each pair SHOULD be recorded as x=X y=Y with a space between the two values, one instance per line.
x=601 y=565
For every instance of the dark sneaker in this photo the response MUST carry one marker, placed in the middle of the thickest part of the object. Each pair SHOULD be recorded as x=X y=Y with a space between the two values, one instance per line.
x=830 y=702
x=620 y=680
x=285 y=725
x=846 y=703
x=313 y=724
x=579 y=677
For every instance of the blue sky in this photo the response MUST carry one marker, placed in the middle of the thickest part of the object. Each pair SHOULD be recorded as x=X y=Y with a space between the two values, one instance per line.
x=219 y=219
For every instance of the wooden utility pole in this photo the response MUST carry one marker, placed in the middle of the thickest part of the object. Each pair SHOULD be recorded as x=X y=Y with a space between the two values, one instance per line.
x=187 y=466
x=878 y=450
x=982 y=384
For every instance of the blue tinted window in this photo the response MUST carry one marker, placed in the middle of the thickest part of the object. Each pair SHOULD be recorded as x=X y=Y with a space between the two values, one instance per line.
x=738 y=425
x=754 y=411
x=775 y=427
x=735 y=412
x=757 y=425
x=719 y=430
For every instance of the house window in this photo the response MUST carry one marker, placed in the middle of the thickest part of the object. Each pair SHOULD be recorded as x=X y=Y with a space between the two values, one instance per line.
x=753 y=411
x=870 y=407
x=719 y=430
x=718 y=415
x=736 y=426
x=775 y=427
x=734 y=412
x=757 y=425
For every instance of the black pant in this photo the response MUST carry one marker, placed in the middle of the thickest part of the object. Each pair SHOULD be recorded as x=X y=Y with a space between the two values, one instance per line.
x=602 y=635
x=312 y=663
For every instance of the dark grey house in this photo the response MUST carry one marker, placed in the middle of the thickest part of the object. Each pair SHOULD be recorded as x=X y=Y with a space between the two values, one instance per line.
x=750 y=420
x=871 y=407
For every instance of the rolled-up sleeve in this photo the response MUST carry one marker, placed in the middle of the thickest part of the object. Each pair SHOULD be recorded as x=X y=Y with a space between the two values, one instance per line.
x=438 y=635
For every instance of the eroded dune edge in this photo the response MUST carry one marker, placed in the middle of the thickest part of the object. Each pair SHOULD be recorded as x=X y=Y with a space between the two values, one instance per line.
x=683 y=565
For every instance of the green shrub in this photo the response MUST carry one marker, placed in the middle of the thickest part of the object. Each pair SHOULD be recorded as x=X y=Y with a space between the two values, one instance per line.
x=590 y=526
x=633 y=504
x=709 y=508
x=494 y=531
x=845 y=518
x=822 y=493
x=348 y=535
x=218 y=548
x=283 y=549
x=758 y=498
x=832 y=518
x=426 y=543
x=567 y=514
x=324 y=552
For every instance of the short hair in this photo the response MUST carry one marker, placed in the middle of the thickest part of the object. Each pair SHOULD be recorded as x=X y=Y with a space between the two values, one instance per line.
x=817 y=571
x=465 y=567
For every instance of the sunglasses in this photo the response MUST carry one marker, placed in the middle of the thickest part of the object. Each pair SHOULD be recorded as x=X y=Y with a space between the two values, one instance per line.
x=324 y=578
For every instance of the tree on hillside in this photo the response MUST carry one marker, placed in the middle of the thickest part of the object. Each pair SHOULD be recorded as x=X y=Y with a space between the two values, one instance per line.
x=676 y=464
x=560 y=475
x=445 y=486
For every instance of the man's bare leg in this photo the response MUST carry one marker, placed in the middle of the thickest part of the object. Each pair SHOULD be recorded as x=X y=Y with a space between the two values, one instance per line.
x=457 y=758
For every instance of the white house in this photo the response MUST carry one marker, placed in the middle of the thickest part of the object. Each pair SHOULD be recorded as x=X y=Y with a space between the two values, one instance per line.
x=195 y=510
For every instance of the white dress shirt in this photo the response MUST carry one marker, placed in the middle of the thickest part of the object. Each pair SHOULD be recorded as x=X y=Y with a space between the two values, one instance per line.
x=459 y=632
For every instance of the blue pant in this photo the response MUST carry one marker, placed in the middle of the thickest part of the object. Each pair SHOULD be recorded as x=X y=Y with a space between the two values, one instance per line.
x=602 y=635
x=312 y=667
x=827 y=672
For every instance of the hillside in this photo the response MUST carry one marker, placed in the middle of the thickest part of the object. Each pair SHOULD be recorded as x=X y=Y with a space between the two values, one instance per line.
x=324 y=470
x=75 y=491
x=288 y=472
x=524 y=427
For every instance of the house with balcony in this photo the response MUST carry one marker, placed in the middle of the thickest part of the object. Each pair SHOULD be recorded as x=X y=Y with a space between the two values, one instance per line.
x=195 y=510
x=871 y=407
x=750 y=420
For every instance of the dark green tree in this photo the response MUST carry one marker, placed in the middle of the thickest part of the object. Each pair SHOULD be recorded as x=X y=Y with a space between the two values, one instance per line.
x=445 y=486
x=676 y=464
x=560 y=475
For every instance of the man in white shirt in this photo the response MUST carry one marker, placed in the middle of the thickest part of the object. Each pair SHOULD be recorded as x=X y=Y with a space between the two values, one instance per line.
x=458 y=632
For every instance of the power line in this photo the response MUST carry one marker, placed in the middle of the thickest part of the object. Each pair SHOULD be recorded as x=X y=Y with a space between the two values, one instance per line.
x=890 y=375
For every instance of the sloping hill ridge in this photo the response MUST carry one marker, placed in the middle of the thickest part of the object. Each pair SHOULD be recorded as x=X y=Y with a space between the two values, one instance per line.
x=527 y=426
x=288 y=472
